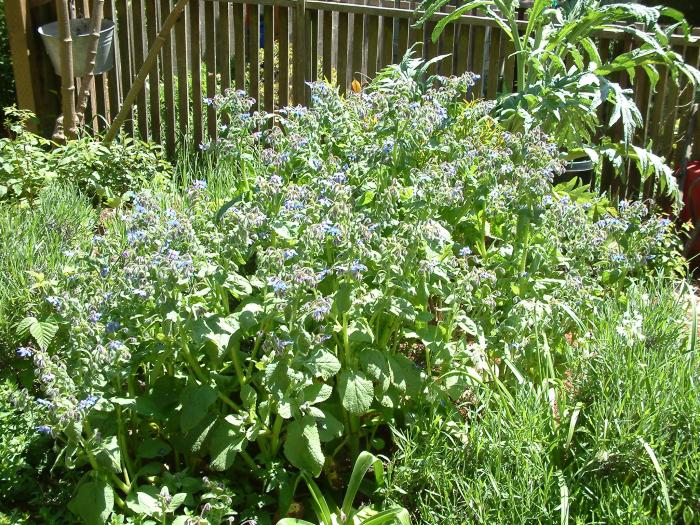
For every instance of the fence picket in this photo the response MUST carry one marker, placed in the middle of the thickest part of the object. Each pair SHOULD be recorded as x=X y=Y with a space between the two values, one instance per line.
x=283 y=35
x=327 y=56
x=138 y=31
x=151 y=9
x=124 y=57
x=168 y=85
x=210 y=63
x=342 y=52
x=196 y=70
x=268 y=59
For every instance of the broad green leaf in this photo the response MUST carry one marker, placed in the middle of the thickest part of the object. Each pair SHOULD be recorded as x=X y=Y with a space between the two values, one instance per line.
x=145 y=500
x=302 y=446
x=323 y=364
x=342 y=300
x=226 y=441
x=94 y=502
x=329 y=428
x=196 y=400
x=153 y=448
x=356 y=392
x=316 y=393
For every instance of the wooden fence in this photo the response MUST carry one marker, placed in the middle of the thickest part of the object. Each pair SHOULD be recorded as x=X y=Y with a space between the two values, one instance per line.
x=271 y=48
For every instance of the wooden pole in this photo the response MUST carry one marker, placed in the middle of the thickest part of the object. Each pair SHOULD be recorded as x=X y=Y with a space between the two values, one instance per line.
x=65 y=124
x=147 y=66
x=19 y=28
x=87 y=79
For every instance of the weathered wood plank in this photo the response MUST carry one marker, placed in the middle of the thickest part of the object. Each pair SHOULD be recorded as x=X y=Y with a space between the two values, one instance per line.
x=283 y=33
x=269 y=45
x=342 y=52
x=210 y=62
x=153 y=77
x=168 y=85
x=196 y=70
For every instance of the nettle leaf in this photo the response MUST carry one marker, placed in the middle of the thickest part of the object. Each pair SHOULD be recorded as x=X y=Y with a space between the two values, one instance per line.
x=227 y=440
x=196 y=400
x=303 y=446
x=323 y=364
x=43 y=332
x=25 y=324
x=93 y=503
x=356 y=392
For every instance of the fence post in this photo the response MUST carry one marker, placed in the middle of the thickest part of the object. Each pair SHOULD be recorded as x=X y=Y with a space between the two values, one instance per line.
x=23 y=52
x=300 y=39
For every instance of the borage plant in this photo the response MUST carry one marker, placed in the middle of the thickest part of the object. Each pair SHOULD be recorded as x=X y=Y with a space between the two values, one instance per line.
x=368 y=257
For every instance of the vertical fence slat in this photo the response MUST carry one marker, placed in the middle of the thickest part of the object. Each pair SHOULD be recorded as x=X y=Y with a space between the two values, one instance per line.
x=239 y=45
x=223 y=36
x=328 y=45
x=269 y=59
x=168 y=84
x=312 y=27
x=462 y=49
x=358 y=39
x=372 y=45
x=283 y=33
x=253 y=14
x=478 y=46
x=402 y=44
x=125 y=73
x=113 y=88
x=183 y=98
x=196 y=70
x=387 y=42
x=342 y=52
x=138 y=35
x=153 y=77
x=299 y=52
x=446 y=47
x=494 y=69
x=210 y=62
x=430 y=48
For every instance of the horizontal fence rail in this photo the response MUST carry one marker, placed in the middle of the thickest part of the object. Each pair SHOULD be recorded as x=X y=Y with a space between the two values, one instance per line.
x=272 y=48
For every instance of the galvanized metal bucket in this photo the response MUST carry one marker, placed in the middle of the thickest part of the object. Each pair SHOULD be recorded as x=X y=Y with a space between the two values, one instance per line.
x=80 y=33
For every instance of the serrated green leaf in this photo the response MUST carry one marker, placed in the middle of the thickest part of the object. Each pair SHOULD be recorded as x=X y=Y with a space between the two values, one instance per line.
x=43 y=333
x=356 y=392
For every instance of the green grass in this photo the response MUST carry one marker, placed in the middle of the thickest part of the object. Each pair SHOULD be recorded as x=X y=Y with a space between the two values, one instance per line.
x=34 y=240
x=622 y=448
